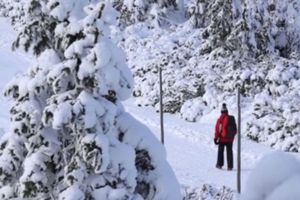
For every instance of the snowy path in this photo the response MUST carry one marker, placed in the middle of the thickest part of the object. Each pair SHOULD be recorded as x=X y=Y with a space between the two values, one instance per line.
x=190 y=148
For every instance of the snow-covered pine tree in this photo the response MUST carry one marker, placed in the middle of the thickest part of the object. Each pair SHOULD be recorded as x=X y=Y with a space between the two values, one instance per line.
x=28 y=24
x=196 y=12
x=135 y=11
x=221 y=23
x=260 y=53
x=271 y=38
x=70 y=137
x=272 y=27
x=13 y=9
x=5 y=7
x=275 y=112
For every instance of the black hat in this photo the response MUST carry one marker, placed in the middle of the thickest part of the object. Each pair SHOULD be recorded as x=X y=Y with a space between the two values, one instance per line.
x=224 y=108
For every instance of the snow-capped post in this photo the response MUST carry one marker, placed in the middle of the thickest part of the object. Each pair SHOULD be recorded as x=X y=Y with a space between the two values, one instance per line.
x=161 y=106
x=239 y=142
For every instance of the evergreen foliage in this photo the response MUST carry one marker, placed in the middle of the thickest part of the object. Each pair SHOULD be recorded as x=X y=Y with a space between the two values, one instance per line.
x=208 y=192
x=135 y=11
x=70 y=137
x=252 y=44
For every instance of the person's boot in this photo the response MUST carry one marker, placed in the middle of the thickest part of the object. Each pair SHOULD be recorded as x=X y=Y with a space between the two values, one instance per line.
x=218 y=166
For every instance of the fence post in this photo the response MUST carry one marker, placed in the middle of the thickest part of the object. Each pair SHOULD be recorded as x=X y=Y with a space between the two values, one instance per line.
x=161 y=106
x=239 y=143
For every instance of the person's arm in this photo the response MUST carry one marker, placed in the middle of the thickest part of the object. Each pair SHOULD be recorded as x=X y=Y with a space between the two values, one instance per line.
x=235 y=126
x=217 y=131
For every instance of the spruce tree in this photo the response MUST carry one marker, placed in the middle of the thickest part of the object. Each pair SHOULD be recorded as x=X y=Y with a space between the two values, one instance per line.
x=220 y=26
x=70 y=137
x=160 y=12
x=197 y=13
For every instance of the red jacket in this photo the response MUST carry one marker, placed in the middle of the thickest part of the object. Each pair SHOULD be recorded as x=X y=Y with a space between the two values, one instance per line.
x=221 y=130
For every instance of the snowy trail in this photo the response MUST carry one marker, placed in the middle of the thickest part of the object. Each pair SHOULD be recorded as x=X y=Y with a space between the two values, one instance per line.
x=190 y=148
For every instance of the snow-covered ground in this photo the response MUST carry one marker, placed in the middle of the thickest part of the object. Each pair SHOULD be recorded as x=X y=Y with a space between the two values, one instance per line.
x=190 y=148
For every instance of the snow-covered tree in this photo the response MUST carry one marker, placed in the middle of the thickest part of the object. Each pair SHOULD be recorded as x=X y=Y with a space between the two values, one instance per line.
x=208 y=192
x=196 y=12
x=70 y=137
x=275 y=117
x=135 y=11
x=248 y=43
x=35 y=27
x=13 y=9
x=220 y=26
x=5 y=7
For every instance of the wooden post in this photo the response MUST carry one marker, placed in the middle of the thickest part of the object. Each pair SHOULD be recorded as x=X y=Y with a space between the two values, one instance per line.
x=239 y=143
x=161 y=106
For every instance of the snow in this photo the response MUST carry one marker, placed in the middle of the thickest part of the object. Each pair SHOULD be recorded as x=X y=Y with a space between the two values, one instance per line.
x=100 y=163
x=72 y=193
x=128 y=169
x=11 y=64
x=189 y=146
x=276 y=177
x=191 y=150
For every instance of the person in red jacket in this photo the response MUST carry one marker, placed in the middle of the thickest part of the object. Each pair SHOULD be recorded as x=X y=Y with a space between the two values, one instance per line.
x=224 y=135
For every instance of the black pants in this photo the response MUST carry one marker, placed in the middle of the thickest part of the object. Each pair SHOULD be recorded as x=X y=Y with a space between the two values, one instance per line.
x=220 y=161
